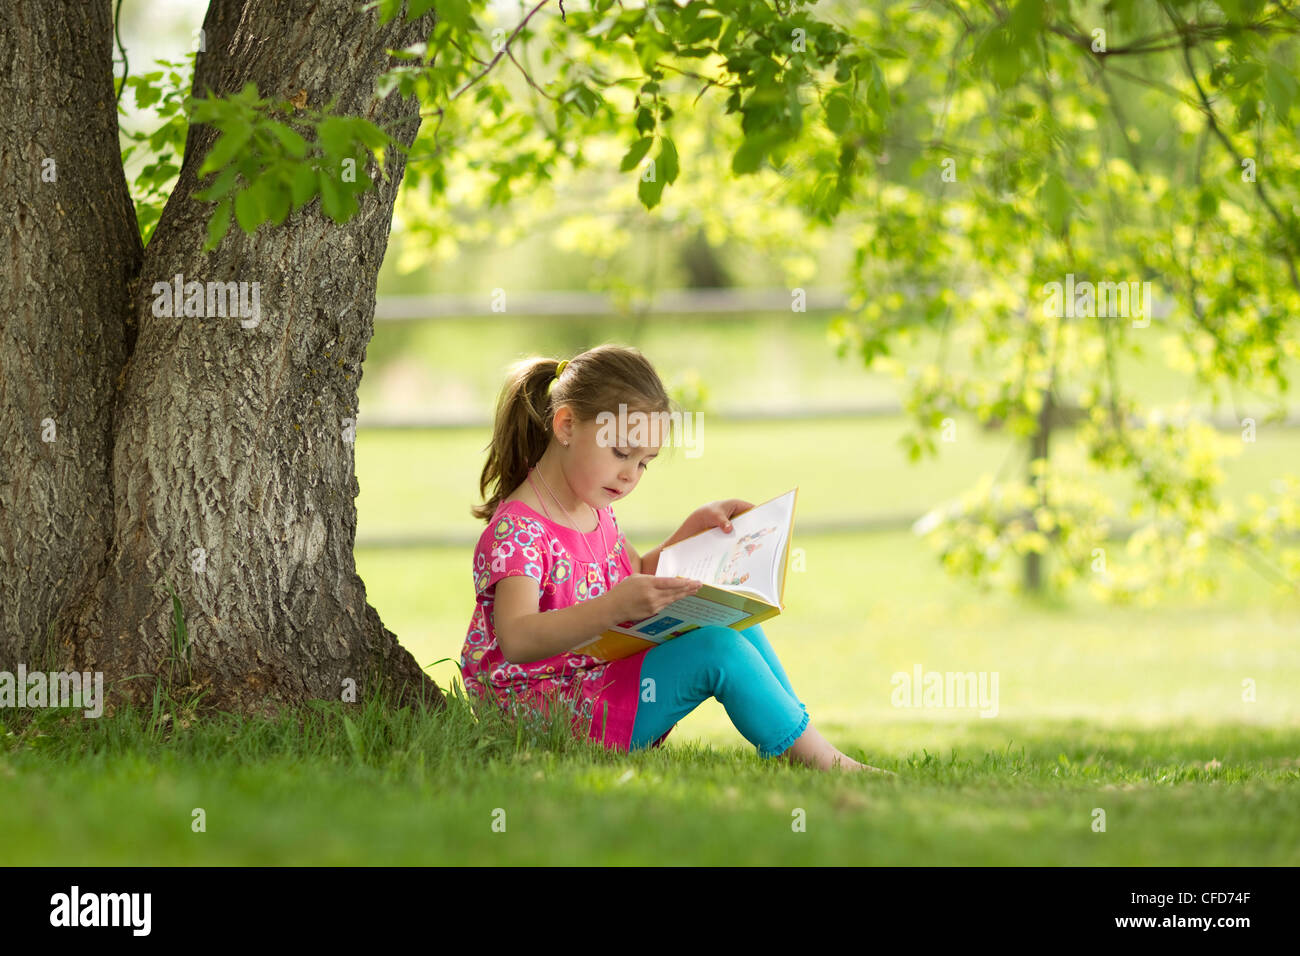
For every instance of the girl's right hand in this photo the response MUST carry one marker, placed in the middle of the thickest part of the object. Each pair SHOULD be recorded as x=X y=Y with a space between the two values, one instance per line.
x=644 y=595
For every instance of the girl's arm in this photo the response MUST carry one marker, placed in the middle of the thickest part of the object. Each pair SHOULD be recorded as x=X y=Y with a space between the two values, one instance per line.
x=526 y=634
x=638 y=562
x=646 y=564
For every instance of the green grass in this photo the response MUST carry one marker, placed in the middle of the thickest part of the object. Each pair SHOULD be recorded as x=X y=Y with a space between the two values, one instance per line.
x=1134 y=711
x=416 y=787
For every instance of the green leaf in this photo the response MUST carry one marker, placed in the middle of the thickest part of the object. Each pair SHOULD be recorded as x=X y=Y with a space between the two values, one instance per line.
x=668 y=164
x=704 y=28
x=1247 y=72
x=226 y=148
x=218 y=225
x=1026 y=21
x=220 y=186
x=371 y=135
x=167 y=133
x=455 y=13
x=650 y=192
x=636 y=153
x=998 y=49
x=1056 y=201
x=1207 y=203
x=293 y=143
x=837 y=112
x=647 y=50
x=751 y=152
x=878 y=92
x=247 y=95
x=304 y=186
x=248 y=209
x=388 y=9
x=275 y=197
x=601 y=28
x=146 y=95
x=1247 y=113
x=335 y=200
x=1280 y=88
x=335 y=136
x=583 y=97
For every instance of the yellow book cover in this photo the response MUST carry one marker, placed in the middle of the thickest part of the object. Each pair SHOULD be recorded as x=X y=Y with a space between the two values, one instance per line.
x=743 y=573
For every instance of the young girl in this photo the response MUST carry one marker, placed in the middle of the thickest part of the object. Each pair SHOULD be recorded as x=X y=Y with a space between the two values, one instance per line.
x=552 y=571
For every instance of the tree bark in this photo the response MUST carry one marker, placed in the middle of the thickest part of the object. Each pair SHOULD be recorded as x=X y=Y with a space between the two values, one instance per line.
x=74 y=249
x=231 y=466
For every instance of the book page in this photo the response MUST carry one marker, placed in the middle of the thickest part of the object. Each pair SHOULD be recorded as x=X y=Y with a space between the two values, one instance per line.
x=679 y=616
x=748 y=559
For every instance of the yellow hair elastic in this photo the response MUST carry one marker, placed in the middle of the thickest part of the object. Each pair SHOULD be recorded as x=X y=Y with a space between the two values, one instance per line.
x=558 y=369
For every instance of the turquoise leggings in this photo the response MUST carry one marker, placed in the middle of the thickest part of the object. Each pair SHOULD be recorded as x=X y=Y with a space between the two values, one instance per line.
x=739 y=668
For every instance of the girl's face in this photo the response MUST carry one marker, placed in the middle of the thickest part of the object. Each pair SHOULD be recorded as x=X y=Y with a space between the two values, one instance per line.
x=601 y=473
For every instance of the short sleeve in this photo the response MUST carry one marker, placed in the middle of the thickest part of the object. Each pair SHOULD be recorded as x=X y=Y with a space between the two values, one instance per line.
x=517 y=545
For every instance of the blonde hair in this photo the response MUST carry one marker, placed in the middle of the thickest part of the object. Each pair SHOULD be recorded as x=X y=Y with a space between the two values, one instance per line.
x=594 y=381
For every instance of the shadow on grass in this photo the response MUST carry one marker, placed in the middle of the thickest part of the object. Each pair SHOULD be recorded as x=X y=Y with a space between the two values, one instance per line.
x=333 y=783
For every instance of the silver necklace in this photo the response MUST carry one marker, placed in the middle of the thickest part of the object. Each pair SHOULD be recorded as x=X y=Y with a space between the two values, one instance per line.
x=603 y=543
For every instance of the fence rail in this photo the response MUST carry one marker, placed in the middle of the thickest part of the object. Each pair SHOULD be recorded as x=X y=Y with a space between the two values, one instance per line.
x=858 y=525
x=685 y=302
x=580 y=305
x=421 y=421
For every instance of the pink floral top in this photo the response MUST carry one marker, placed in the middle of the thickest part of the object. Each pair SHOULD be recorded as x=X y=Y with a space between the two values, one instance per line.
x=518 y=540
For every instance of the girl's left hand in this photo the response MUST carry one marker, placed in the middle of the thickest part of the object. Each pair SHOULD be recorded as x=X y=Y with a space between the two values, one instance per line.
x=717 y=514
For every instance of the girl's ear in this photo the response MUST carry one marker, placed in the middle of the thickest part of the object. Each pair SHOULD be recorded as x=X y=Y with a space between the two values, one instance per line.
x=562 y=424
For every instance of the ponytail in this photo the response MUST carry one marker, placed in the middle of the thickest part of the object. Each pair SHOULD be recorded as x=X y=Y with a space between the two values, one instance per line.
x=520 y=433
x=596 y=380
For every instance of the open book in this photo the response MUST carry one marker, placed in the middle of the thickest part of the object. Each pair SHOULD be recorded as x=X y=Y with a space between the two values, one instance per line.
x=743 y=573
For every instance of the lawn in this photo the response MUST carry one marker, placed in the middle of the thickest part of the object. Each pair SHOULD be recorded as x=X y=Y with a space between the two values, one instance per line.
x=1136 y=712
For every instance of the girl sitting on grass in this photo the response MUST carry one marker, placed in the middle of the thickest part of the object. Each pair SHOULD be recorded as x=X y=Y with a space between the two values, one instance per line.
x=552 y=571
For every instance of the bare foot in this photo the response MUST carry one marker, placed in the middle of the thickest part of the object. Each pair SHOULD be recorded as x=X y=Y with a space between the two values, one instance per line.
x=814 y=750
x=845 y=762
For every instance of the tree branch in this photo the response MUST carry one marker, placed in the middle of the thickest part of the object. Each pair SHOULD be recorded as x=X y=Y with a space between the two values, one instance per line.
x=1227 y=144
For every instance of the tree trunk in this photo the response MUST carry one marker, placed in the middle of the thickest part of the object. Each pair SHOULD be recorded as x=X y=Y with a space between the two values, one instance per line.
x=74 y=250
x=232 y=462
x=1038 y=448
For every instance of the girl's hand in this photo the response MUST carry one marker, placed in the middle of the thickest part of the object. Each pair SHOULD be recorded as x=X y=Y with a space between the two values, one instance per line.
x=717 y=514
x=644 y=595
